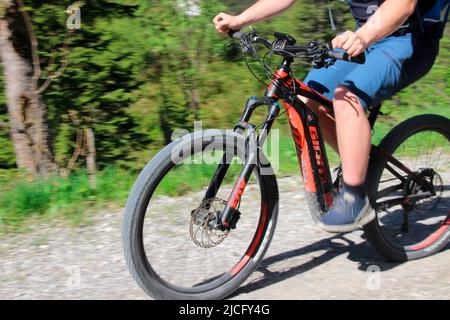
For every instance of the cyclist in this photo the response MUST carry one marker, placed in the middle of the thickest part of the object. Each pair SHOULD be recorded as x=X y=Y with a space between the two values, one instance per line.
x=401 y=41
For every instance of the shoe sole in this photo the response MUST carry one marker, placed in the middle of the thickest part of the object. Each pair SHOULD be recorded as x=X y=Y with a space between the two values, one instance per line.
x=365 y=217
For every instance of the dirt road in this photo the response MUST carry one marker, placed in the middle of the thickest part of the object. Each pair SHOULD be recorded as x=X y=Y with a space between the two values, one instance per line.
x=86 y=262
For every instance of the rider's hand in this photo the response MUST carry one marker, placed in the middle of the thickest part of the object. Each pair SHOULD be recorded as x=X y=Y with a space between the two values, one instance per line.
x=225 y=22
x=351 y=42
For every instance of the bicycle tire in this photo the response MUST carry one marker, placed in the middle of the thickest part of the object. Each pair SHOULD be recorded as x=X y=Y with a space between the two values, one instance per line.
x=138 y=265
x=436 y=241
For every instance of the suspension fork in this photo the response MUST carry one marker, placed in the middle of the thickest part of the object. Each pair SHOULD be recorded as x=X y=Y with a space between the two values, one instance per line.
x=219 y=175
x=241 y=126
x=251 y=160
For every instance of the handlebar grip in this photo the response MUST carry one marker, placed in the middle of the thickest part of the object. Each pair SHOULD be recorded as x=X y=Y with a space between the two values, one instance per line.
x=341 y=55
x=236 y=34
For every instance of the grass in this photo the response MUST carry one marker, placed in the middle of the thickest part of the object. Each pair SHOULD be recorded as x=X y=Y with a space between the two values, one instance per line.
x=71 y=197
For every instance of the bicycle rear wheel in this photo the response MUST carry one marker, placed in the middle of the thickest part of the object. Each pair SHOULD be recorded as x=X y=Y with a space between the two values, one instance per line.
x=170 y=246
x=413 y=220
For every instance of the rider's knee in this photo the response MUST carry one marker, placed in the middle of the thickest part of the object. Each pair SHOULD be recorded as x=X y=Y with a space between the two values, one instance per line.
x=344 y=95
x=346 y=103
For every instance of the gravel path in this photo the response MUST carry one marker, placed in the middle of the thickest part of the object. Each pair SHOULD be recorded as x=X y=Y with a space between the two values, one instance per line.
x=303 y=262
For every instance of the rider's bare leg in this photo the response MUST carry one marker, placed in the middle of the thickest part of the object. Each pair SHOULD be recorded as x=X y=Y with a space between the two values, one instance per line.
x=351 y=128
x=351 y=208
x=326 y=122
x=353 y=136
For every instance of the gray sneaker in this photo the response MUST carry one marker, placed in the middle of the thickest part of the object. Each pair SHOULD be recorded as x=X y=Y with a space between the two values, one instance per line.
x=347 y=213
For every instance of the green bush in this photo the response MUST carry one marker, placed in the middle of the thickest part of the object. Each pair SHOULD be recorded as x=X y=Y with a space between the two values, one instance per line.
x=70 y=197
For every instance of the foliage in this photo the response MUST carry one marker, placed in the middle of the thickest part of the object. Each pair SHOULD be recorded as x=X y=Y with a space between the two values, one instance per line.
x=7 y=158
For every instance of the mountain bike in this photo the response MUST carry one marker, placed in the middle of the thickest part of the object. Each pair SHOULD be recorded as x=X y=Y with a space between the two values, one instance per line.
x=202 y=213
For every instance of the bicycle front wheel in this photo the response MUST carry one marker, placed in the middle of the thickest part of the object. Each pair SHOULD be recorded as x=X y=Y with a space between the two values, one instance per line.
x=413 y=218
x=171 y=247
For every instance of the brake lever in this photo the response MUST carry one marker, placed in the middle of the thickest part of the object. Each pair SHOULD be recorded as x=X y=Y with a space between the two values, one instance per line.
x=317 y=55
x=237 y=34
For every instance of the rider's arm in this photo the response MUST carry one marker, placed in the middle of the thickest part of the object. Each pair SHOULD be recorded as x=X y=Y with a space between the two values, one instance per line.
x=261 y=10
x=388 y=18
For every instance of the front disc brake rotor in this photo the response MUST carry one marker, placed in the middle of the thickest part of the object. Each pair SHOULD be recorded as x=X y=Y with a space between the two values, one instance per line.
x=204 y=227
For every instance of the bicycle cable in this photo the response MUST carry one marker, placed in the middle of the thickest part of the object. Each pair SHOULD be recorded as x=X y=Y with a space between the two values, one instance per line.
x=268 y=71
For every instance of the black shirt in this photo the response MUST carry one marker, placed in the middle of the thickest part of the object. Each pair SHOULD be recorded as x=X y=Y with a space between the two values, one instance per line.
x=363 y=9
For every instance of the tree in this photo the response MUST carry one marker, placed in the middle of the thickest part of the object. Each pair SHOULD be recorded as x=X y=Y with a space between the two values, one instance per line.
x=7 y=159
x=27 y=111
x=185 y=43
x=105 y=63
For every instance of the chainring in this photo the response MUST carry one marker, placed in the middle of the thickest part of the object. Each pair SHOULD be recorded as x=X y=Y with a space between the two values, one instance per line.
x=435 y=180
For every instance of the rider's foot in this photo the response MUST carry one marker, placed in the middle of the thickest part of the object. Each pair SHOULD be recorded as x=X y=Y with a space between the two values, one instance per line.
x=350 y=210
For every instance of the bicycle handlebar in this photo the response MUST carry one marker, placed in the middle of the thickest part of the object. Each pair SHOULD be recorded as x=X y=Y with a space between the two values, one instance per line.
x=314 y=50
x=342 y=55
x=234 y=34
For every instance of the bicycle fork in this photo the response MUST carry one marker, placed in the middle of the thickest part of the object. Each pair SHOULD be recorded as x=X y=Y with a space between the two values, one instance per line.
x=253 y=143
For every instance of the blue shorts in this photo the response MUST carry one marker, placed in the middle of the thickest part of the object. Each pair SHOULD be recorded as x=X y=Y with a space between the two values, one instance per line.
x=392 y=64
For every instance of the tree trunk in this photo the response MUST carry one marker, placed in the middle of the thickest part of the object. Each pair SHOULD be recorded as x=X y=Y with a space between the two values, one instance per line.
x=194 y=104
x=90 y=156
x=165 y=126
x=27 y=112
